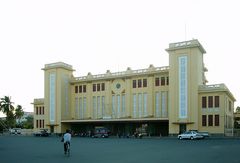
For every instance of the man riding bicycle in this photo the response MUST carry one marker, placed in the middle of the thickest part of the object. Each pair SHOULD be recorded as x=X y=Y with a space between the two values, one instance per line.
x=66 y=140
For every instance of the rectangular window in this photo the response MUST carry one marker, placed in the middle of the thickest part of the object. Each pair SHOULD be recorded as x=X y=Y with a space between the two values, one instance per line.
x=216 y=120
x=144 y=82
x=139 y=83
x=139 y=105
x=94 y=87
x=204 y=102
x=94 y=107
x=80 y=89
x=40 y=110
x=36 y=123
x=40 y=123
x=157 y=83
x=113 y=107
x=43 y=123
x=210 y=101
x=134 y=84
x=229 y=106
x=210 y=120
x=134 y=106
x=103 y=86
x=37 y=110
x=123 y=106
x=98 y=87
x=103 y=106
x=157 y=105
x=216 y=101
x=167 y=80
x=76 y=89
x=162 y=80
x=43 y=110
x=204 y=120
x=84 y=89
x=145 y=112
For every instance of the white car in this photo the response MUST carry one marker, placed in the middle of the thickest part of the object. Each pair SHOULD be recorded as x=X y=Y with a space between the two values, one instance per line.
x=190 y=135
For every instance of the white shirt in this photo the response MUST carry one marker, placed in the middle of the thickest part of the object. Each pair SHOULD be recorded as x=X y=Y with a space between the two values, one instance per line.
x=67 y=137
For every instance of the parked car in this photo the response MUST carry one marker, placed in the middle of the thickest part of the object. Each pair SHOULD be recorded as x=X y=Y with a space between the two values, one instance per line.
x=204 y=134
x=101 y=132
x=190 y=135
x=42 y=132
x=15 y=131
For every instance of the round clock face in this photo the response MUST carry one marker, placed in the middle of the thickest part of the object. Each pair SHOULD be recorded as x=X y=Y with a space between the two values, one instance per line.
x=118 y=85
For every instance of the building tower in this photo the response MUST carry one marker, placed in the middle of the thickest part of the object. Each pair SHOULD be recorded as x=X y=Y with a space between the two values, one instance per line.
x=185 y=75
x=57 y=94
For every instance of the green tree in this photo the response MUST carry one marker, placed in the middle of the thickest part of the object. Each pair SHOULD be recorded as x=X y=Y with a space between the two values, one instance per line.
x=18 y=112
x=238 y=109
x=7 y=108
x=29 y=123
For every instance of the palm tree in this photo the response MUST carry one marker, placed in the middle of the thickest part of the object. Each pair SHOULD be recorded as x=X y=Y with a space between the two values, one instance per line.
x=6 y=105
x=18 y=113
x=7 y=108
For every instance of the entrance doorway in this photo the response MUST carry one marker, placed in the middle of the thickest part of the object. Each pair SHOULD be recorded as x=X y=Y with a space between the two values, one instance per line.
x=182 y=128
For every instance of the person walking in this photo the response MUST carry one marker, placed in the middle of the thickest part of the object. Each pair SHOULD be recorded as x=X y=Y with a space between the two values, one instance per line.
x=66 y=140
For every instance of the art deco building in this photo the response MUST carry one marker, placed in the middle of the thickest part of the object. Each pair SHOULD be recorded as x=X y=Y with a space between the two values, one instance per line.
x=164 y=100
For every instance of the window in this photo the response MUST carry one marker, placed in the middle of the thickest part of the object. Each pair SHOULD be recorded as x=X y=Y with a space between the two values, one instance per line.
x=134 y=84
x=94 y=87
x=216 y=101
x=204 y=120
x=76 y=89
x=103 y=86
x=80 y=89
x=40 y=110
x=157 y=82
x=167 y=80
x=37 y=110
x=204 y=102
x=84 y=89
x=210 y=120
x=36 y=123
x=144 y=82
x=139 y=83
x=40 y=123
x=216 y=120
x=210 y=101
x=229 y=106
x=98 y=87
x=43 y=110
x=162 y=80
x=43 y=123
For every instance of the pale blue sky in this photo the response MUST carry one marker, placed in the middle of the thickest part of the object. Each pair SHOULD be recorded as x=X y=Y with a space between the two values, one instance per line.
x=97 y=35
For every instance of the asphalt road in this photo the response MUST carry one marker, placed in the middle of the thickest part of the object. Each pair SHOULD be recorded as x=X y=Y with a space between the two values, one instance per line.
x=29 y=149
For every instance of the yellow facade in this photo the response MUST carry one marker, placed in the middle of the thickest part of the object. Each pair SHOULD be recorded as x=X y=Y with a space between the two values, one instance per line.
x=167 y=99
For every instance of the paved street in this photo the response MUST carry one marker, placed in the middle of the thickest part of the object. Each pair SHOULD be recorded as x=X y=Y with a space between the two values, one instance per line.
x=24 y=149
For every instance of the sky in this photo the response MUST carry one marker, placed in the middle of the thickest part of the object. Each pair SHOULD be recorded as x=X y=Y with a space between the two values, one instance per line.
x=99 y=35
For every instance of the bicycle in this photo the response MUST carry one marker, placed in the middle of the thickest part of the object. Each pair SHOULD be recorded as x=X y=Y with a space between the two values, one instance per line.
x=67 y=149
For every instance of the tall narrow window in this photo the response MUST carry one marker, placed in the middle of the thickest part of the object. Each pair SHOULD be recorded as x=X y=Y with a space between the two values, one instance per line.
x=84 y=89
x=37 y=110
x=210 y=101
x=157 y=83
x=98 y=87
x=139 y=105
x=118 y=107
x=94 y=87
x=134 y=84
x=36 y=123
x=204 y=102
x=210 y=120
x=216 y=101
x=123 y=106
x=157 y=105
x=204 y=120
x=162 y=80
x=144 y=82
x=76 y=89
x=94 y=107
x=80 y=89
x=134 y=106
x=167 y=80
x=99 y=111
x=80 y=108
x=84 y=106
x=113 y=106
x=229 y=106
x=139 y=83
x=103 y=86
x=43 y=110
x=216 y=120
x=103 y=106
x=40 y=123
x=145 y=112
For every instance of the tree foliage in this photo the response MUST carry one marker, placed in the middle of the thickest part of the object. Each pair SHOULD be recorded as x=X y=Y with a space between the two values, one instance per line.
x=12 y=114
